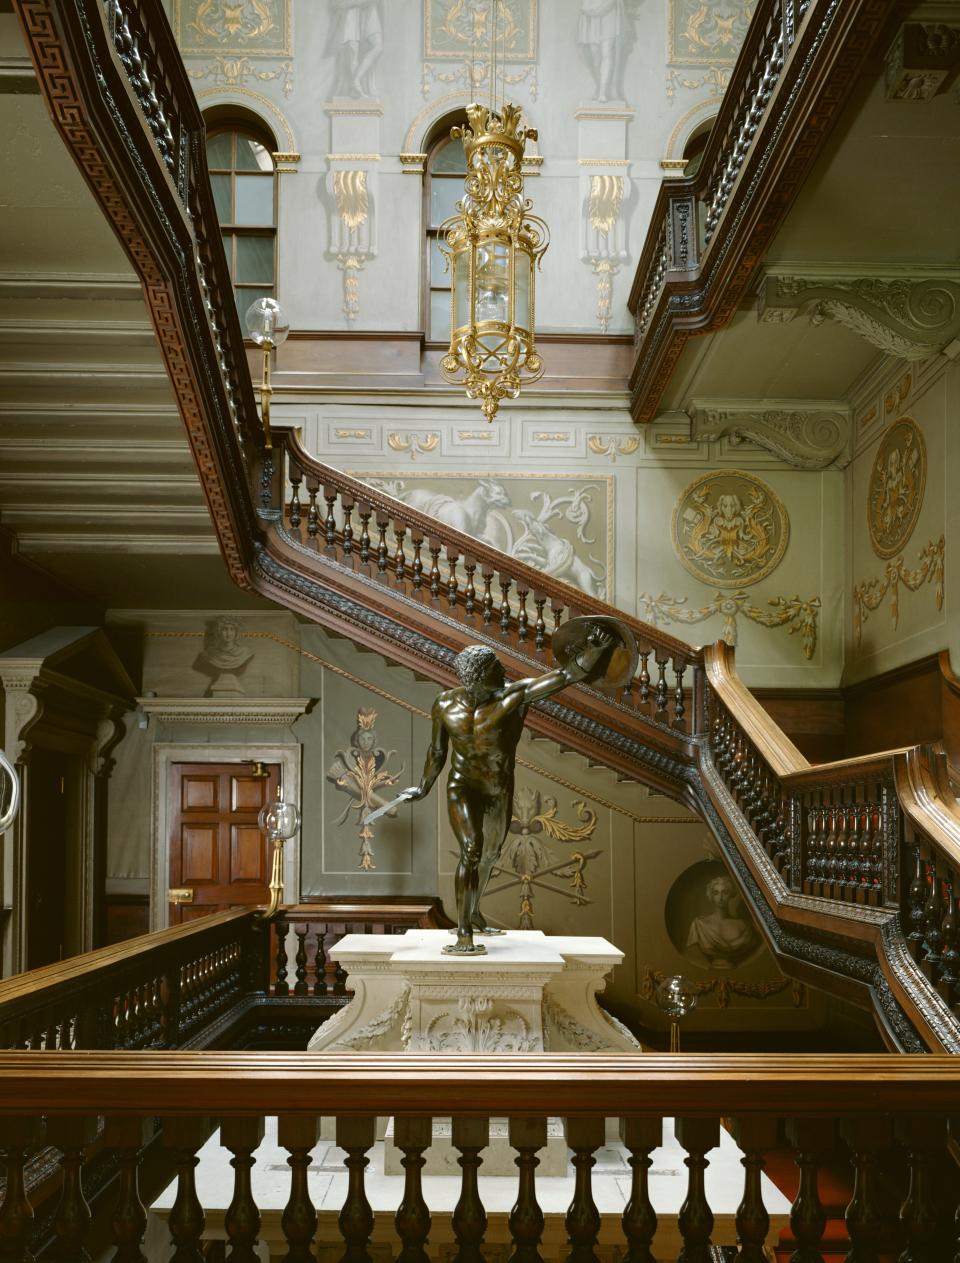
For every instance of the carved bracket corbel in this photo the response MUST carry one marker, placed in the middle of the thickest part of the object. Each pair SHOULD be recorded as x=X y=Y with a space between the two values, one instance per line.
x=24 y=710
x=804 y=436
x=922 y=56
x=907 y=316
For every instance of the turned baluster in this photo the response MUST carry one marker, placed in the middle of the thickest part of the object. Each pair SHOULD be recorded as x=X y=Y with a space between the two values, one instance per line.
x=644 y=677
x=661 y=688
x=355 y=1136
x=364 y=512
x=298 y=1135
x=523 y=619
x=933 y=938
x=300 y=986
x=313 y=514
x=755 y=1134
x=641 y=1136
x=346 y=535
x=582 y=1222
x=71 y=1136
x=868 y=1226
x=679 y=708
x=557 y=608
x=876 y=853
x=695 y=1221
x=128 y=1137
x=527 y=1135
x=852 y=873
x=539 y=627
x=811 y=1138
x=830 y=843
x=469 y=591
x=452 y=584
x=281 y=986
x=416 y=569
x=399 y=556
x=296 y=477
x=330 y=521
x=487 y=602
x=412 y=1136
x=435 y=547
x=917 y=902
x=950 y=959
x=242 y=1219
x=927 y=1233
x=869 y=870
x=469 y=1220
x=505 y=584
x=18 y=1137
x=383 y=552
x=320 y=965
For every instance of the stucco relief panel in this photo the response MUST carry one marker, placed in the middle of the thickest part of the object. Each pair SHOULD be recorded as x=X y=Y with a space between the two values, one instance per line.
x=238 y=40
x=730 y=528
x=462 y=28
x=558 y=523
x=707 y=32
x=897 y=482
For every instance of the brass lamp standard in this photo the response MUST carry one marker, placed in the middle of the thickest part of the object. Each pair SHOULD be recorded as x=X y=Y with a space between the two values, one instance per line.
x=268 y=328
x=279 y=821
x=493 y=248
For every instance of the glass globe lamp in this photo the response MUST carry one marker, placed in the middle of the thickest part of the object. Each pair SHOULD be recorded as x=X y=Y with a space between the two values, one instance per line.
x=268 y=327
x=677 y=997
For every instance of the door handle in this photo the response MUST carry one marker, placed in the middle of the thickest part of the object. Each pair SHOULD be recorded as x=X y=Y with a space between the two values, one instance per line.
x=180 y=894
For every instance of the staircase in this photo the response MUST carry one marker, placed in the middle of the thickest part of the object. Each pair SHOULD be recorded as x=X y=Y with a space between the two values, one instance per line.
x=850 y=867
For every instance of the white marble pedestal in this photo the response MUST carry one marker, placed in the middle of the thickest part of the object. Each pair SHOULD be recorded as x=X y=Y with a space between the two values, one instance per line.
x=529 y=993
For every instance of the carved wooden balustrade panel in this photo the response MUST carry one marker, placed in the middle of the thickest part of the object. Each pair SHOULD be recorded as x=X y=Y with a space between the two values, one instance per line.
x=161 y=991
x=873 y=1121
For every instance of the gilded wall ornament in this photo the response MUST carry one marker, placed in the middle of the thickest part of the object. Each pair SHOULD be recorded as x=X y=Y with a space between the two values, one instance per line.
x=352 y=232
x=707 y=32
x=791 y=612
x=603 y=236
x=608 y=446
x=454 y=28
x=868 y=595
x=723 y=989
x=897 y=481
x=361 y=772
x=730 y=528
x=413 y=444
x=261 y=27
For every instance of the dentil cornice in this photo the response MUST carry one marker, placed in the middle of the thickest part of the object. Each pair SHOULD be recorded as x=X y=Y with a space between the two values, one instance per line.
x=805 y=435
x=907 y=315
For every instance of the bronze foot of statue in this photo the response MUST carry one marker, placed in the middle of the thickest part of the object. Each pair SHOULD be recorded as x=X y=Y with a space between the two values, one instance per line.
x=464 y=947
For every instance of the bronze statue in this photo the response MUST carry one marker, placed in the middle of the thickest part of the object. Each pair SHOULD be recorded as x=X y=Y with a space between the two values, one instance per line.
x=482 y=720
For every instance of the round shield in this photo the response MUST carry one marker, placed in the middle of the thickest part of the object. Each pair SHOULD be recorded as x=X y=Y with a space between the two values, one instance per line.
x=616 y=666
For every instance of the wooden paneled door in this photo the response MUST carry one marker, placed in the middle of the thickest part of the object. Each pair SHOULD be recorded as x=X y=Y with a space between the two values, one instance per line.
x=219 y=858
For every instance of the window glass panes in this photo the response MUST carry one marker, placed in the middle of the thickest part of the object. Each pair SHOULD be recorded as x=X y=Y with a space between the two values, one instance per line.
x=462 y=265
x=247 y=294
x=444 y=195
x=439 y=273
x=255 y=260
x=221 y=197
x=218 y=151
x=451 y=158
x=252 y=156
x=440 y=315
x=254 y=195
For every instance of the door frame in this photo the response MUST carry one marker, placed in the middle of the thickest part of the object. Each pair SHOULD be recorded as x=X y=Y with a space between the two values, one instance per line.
x=165 y=754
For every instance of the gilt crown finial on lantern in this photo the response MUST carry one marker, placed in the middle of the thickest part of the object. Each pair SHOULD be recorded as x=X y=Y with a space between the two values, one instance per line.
x=488 y=127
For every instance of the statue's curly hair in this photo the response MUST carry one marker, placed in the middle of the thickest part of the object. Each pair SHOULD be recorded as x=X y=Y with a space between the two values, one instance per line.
x=471 y=664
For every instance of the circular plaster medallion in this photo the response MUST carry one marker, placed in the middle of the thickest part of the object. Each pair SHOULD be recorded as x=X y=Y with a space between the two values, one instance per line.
x=897 y=480
x=730 y=528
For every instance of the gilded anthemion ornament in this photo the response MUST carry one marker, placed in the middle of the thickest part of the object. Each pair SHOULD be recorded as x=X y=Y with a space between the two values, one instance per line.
x=897 y=480
x=361 y=773
x=730 y=528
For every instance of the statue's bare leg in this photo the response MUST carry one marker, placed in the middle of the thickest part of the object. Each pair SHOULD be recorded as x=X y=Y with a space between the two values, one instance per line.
x=466 y=820
x=496 y=821
x=366 y=64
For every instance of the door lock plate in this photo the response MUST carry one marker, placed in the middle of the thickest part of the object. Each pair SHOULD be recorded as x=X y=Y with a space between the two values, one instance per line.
x=180 y=894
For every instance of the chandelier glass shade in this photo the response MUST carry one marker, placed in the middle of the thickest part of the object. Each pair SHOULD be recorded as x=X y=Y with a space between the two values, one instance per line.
x=493 y=247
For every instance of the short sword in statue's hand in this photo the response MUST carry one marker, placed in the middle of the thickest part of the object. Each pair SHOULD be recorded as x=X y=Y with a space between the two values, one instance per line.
x=402 y=797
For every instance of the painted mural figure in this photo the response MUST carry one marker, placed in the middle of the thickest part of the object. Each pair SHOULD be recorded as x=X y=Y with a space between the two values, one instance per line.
x=722 y=937
x=482 y=720
x=358 y=43
x=598 y=34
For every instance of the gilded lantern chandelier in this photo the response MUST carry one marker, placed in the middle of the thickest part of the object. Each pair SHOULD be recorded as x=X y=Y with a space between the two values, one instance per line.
x=493 y=247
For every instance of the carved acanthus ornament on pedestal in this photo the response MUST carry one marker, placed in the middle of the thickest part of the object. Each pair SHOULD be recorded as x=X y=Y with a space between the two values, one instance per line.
x=352 y=236
x=805 y=437
x=904 y=315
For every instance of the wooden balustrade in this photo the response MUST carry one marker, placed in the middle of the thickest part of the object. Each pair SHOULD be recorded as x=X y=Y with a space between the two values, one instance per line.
x=458 y=578
x=162 y=990
x=871 y=1119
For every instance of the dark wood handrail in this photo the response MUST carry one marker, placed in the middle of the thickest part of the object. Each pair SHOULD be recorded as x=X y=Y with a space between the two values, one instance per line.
x=529 y=1084
x=485 y=554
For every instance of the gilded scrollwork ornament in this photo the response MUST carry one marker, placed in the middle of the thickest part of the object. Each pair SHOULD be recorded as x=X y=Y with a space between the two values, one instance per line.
x=797 y=615
x=870 y=593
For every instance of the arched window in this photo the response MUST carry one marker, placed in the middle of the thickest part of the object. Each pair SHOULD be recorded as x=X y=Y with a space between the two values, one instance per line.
x=243 y=176
x=443 y=188
x=693 y=150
